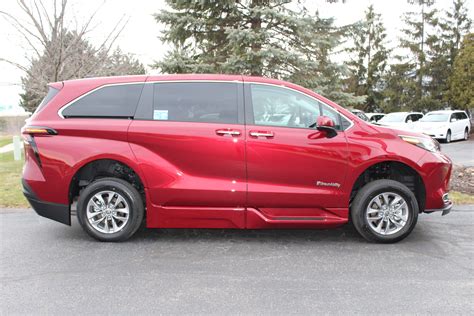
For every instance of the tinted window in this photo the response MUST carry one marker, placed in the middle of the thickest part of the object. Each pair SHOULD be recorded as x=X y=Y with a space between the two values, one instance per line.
x=110 y=101
x=210 y=102
x=461 y=116
x=51 y=93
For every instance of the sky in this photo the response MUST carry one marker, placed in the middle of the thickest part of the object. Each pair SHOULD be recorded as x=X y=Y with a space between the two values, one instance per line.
x=141 y=34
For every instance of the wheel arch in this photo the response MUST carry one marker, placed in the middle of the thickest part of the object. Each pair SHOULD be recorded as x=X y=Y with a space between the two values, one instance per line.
x=99 y=167
x=394 y=170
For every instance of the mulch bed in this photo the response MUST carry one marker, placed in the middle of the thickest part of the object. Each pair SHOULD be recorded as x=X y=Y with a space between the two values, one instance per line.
x=462 y=179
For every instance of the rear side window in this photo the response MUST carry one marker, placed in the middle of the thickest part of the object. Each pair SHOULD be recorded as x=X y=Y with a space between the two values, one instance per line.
x=207 y=102
x=117 y=101
x=49 y=96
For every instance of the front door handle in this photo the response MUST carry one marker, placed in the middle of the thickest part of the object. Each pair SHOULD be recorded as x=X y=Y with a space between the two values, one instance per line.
x=230 y=132
x=266 y=134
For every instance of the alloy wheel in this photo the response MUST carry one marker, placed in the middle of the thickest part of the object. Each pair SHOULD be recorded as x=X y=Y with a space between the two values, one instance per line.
x=108 y=212
x=387 y=213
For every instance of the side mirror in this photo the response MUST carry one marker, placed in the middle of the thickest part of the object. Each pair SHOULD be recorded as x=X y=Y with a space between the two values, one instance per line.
x=453 y=120
x=326 y=125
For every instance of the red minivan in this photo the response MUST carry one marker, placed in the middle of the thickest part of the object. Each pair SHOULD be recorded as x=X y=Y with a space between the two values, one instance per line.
x=223 y=151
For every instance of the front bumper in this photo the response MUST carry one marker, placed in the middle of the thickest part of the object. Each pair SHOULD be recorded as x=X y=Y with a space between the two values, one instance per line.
x=57 y=212
x=448 y=205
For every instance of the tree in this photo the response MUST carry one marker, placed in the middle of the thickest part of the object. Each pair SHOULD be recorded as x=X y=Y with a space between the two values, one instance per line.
x=453 y=28
x=62 y=53
x=370 y=59
x=461 y=83
x=251 y=37
x=415 y=40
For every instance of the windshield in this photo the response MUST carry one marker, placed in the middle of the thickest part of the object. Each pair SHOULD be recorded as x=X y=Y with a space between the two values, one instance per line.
x=435 y=117
x=393 y=118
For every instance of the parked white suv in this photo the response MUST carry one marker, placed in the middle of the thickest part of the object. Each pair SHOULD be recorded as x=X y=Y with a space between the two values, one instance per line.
x=445 y=125
x=400 y=120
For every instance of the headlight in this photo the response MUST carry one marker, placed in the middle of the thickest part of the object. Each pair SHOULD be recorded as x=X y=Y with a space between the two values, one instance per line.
x=429 y=144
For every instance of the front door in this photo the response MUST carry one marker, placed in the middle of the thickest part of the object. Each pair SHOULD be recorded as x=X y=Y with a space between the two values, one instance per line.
x=294 y=172
x=190 y=146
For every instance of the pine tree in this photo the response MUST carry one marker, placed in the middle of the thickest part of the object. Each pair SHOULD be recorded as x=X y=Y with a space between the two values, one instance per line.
x=461 y=83
x=416 y=39
x=252 y=37
x=370 y=59
x=456 y=24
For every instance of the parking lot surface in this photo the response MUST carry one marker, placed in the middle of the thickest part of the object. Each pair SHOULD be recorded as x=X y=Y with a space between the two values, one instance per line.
x=49 y=268
x=460 y=152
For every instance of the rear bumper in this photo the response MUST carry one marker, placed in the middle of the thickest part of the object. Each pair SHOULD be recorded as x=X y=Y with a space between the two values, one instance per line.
x=57 y=212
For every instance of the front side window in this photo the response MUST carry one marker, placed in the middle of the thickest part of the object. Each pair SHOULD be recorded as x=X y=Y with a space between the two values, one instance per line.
x=274 y=106
x=116 y=101
x=206 y=102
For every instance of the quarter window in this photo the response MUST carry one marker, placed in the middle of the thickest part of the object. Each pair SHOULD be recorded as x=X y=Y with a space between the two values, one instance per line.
x=117 y=101
x=207 y=102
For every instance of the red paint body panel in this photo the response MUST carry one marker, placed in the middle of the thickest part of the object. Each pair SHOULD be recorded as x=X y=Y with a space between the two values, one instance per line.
x=195 y=177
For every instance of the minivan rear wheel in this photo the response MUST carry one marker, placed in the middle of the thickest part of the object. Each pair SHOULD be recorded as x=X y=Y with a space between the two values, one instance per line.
x=110 y=209
x=384 y=211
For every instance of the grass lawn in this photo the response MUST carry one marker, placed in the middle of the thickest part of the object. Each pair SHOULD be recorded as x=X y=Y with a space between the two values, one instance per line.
x=5 y=140
x=11 y=194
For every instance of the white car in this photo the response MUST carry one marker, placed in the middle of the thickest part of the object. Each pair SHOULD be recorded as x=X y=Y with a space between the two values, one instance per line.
x=445 y=125
x=401 y=120
x=374 y=117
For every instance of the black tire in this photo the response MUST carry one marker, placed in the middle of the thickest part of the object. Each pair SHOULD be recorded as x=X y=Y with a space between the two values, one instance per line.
x=362 y=200
x=128 y=192
x=466 y=134
x=447 y=140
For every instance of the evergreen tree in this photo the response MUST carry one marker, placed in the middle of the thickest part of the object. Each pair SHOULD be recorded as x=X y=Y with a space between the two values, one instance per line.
x=416 y=39
x=252 y=37
x=456 y=24
x=370 y=59
x=461 y=83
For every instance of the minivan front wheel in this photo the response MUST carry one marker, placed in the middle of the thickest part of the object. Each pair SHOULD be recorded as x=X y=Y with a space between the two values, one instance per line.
x=448 y=137
x=110 y=209
x=384 y=211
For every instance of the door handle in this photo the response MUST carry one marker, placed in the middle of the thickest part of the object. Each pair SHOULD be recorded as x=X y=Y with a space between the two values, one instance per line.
x=266 y=134
x=225 y=132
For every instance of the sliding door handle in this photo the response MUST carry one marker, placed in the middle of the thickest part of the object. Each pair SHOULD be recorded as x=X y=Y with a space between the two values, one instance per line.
x=230 y=132
x=266 y=134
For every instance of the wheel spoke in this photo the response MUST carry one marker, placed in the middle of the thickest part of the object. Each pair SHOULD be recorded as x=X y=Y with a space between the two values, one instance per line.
x=114 y=224
x=93 y=214
x=118 y=201
x=100 y=198
x=110 y=197
x=379 y=226
x=395 y=200
x=120 y=218
x=387 y=225
x=97 y=221
x=106 y=224
x=372 y=211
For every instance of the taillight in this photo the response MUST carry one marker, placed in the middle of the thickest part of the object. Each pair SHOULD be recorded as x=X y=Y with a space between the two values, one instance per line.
x=38 y=130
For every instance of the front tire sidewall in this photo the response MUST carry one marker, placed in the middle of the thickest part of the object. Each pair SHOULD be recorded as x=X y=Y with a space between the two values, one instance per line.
x=362 y=200
x=128 y=192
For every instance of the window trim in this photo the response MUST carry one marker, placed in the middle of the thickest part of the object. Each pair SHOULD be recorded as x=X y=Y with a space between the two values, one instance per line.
x=63 y=108
x=249 y=107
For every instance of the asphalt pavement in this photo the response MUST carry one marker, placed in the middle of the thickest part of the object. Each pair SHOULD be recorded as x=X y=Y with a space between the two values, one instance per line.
x=49 y=268
x=460 y=152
